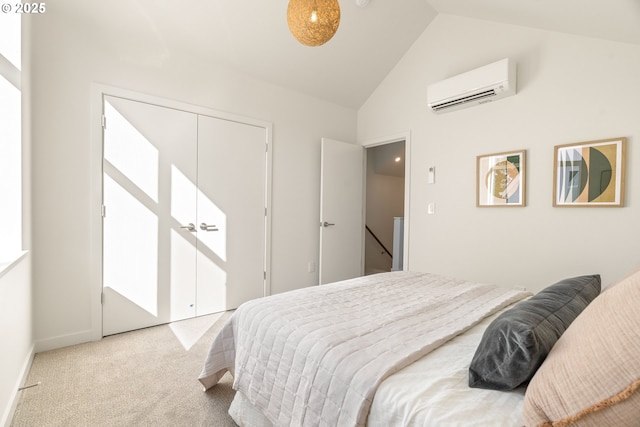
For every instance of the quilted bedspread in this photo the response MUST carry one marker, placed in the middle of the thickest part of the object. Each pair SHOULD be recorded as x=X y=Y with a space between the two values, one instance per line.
x=315 y=356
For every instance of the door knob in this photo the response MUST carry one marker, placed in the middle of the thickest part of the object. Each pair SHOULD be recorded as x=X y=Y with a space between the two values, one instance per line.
x=206 y=227
x=189 y=227
x=326 y=224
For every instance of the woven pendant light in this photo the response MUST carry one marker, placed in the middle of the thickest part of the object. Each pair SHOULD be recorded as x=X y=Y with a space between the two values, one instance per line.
x=313 y=22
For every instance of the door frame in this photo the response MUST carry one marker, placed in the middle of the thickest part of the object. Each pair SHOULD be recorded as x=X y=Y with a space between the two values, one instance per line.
x=374 y=142
x=98 y=91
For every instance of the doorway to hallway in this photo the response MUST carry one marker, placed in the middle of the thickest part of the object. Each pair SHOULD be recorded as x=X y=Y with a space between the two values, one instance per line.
x=385 y=207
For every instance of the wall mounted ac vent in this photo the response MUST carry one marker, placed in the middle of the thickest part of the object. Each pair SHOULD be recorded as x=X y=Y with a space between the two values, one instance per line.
x=479 y=86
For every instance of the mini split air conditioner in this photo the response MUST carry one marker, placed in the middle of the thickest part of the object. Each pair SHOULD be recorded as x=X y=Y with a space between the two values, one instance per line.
x=484 y=84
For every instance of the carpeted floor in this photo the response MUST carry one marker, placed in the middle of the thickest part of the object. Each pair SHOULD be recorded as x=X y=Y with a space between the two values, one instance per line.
x=141 y=378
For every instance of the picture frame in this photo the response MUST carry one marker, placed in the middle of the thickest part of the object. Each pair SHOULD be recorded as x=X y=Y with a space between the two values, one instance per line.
x=589 y=174
x=501 y=179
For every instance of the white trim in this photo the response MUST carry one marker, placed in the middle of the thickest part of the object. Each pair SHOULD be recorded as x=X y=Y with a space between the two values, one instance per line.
x=64 y=340
x=98 y=91
x=95 y=211
x=406 y=137
x=7 y=265
x=10 y=72
x=268 y=192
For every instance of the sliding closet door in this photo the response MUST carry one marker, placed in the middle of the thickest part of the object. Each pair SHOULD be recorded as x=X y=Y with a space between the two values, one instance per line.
x=231 y=213
x=149 y=193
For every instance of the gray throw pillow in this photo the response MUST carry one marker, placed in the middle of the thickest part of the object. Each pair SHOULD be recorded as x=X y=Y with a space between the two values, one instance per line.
x=516 y=343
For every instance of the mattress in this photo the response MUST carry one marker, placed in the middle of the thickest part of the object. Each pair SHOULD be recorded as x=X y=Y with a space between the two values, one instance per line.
x=317 y=355
x=432 y=391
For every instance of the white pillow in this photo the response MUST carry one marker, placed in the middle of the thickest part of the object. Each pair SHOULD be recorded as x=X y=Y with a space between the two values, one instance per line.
x=591 y=377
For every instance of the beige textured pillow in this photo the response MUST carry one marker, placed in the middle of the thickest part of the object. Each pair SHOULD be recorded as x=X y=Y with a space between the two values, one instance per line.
x=591 y=377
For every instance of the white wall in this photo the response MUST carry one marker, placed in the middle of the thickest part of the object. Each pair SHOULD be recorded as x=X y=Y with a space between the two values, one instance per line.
x=68 y=56
x=15 y=334
x=16 y=288
x=570 y=89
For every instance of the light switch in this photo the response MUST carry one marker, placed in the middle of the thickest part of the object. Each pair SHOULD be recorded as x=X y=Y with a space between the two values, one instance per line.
x=431 y=208
x=431 y=176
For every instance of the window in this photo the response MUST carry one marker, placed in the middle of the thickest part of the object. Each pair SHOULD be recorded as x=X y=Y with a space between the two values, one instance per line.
x=10 y=138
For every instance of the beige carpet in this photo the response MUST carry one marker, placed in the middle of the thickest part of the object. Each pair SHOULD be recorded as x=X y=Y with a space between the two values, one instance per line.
x=141 y=378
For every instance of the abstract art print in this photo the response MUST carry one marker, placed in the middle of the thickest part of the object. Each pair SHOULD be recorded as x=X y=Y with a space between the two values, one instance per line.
x=589 y=174
x=500 y=179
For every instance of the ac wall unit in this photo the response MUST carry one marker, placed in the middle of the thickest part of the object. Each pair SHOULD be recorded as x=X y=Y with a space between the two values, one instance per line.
x=484 y=84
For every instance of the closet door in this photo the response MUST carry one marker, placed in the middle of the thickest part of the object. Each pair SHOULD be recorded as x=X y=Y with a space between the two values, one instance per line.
x=184 y=228
x=231 y=214
x=149 y=195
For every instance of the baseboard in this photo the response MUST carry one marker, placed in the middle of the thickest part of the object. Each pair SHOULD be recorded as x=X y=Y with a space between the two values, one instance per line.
x=10 y=410
x=64 y=341
x=38 y=347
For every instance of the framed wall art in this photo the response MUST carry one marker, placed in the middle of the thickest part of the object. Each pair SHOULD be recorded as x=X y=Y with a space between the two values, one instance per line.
x=589 y=174
x=500 y=179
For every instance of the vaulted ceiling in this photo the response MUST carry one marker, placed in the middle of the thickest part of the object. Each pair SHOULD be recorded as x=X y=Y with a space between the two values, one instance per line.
x=251 y=36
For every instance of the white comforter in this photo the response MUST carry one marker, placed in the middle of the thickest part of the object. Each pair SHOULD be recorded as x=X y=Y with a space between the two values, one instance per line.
x=316 y=356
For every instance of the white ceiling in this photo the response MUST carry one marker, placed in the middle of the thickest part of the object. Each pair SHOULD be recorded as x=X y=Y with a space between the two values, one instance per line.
x=251 y=36
x=387 y=159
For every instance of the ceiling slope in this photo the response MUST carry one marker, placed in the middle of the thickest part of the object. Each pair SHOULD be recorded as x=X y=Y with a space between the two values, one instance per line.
x=252 y=38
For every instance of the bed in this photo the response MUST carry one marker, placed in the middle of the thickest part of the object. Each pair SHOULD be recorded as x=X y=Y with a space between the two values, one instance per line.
x=414 y=349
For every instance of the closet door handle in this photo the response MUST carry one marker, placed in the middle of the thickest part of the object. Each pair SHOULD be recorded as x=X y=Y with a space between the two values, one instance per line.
x=206 y=227
x=189 y=227
x=327 y=224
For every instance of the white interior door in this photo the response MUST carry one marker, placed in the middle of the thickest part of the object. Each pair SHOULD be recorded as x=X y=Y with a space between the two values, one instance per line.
x=231 y=214
x=149 y=194
x=184 y=230
x=341 y=215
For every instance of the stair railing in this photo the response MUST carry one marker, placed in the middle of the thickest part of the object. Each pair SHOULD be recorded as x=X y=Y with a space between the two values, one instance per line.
x=378 y=240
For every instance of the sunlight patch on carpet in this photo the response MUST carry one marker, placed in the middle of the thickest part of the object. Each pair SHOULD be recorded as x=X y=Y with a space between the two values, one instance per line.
x=190 y=331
